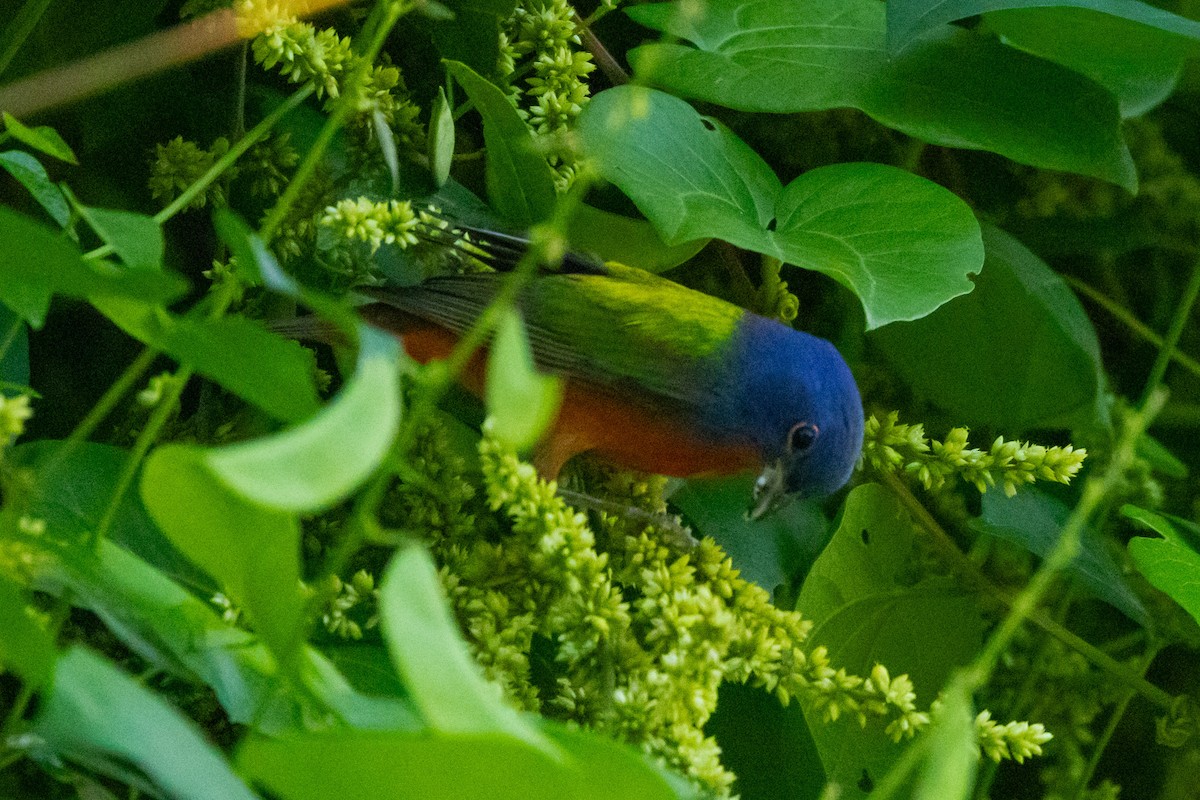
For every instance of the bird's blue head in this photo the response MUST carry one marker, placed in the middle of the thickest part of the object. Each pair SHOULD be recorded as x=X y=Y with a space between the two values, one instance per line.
x=800 y=406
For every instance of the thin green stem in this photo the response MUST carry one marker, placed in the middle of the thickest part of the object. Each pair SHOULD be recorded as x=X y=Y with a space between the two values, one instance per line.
x=1110 y=728
x=145 y=440
x=949 y=550
x=1095 y=490
x=105 y=405
x=19 y=29
x=1130 y=321
x=1182 y=313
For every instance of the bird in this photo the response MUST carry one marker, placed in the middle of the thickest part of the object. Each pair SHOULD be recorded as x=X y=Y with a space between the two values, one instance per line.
x=658 y=377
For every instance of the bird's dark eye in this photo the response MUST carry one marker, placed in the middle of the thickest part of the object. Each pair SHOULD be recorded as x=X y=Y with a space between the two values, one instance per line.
x=801 y=437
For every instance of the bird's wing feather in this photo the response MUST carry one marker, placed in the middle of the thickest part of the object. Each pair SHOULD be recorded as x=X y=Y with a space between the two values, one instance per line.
x=624 y=326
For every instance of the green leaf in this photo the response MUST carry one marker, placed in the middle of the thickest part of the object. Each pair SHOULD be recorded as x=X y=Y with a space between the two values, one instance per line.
x=953 y=87
x=1171 y=564
x=136 y=238
x=1017 y=353
x=311 y=467
x=628 y=241
x=952 y=752
x=901 y=243
x=75 y=485
x=261 y=367
x=36 y=262
x=461 y=766
x=253 y=551
x=32 y=175
x=445 y=683
x=386 y=140
x=867 y=612
x=441 y=139
x=176 y=631
x=521 y=401
x=773 y=551
x=471 y=34
x=768 y=746
x=42 y=138
x=1034 y=520
x=26 y=649
x=95 y=714
x=1139 y=64
x=519 y=183
x=908 y=19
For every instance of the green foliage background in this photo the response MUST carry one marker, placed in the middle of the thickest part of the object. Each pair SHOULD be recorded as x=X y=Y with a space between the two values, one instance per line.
x=236 y=566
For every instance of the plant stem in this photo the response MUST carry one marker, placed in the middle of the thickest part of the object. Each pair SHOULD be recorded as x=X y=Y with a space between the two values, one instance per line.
x=1140 y=328
x=964 y=565
x=145 y=441
x=1182 y=313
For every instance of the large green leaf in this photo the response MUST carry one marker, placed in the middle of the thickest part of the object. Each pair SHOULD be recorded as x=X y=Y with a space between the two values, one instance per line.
x=173 y=629
x=1171 y=563
x=866 y=612
x=483 y=766
x=95 y=714
x=253 y=551
x=908 y=19
x=1034 y=521
x=261 y=367
x=36 y=262
x=1017 y=353
x=519 y=182
x=774 y=551
x=432 y=659
x=1139 y=64
x=952 y=88
x=310 y=467
x=901 y=243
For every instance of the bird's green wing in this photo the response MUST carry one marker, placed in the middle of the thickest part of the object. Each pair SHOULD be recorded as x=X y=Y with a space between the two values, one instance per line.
x=623 y=326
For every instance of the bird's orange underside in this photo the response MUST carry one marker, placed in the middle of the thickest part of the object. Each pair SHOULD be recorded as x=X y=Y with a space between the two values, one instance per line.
x=626 y=431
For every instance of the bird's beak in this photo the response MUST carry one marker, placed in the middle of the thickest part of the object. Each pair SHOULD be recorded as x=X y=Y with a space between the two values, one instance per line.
x=769 y=491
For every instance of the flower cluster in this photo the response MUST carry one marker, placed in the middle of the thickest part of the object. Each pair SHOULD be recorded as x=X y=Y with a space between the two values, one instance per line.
x=634 y=635
x=1015 y=740
x=541 y=40
x=386 y=222
x=303 y=53
x=14 y=413
x=179 y=163
x=345 y=597
x=891 y=446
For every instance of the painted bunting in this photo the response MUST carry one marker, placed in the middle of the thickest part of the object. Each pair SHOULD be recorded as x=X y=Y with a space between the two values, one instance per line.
x=659 y=378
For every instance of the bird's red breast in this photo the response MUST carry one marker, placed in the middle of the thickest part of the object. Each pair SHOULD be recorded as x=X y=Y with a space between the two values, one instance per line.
x=624 y=430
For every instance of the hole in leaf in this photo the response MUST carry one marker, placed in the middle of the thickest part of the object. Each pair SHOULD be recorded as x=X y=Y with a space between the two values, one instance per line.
x=866 y=536
x=708 y=124
x=771 y=225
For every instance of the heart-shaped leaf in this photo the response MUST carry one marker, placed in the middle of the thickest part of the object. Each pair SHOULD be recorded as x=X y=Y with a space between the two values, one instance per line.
x=903 y=244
